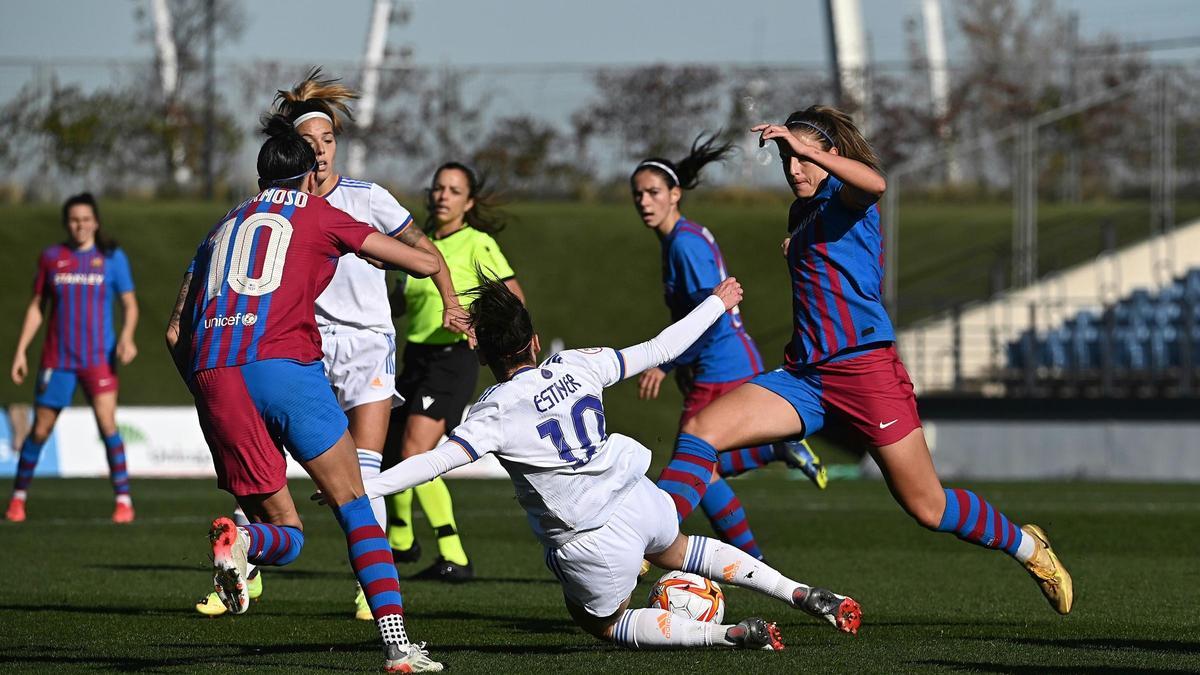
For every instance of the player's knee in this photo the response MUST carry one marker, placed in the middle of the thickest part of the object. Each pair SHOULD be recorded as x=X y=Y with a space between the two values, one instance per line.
x=926 y=511
x=698 y=426
x=40 y=434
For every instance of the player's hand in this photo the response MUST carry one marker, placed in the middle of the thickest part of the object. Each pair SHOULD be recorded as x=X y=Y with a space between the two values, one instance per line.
x=730 y=292
x=786 y=140
x=456 y=319
x=784 y=245
x=649 y=383
x=126 y=352
x=19 y=368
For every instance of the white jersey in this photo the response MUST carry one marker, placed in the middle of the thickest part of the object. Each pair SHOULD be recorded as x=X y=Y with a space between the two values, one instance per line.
x=357 y=295
x=546 y=426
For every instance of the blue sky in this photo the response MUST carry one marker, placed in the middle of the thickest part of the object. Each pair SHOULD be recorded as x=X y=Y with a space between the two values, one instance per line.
x=541 y=31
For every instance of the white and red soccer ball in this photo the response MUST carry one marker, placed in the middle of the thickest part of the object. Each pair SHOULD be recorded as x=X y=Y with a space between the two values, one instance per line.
x=689 y=595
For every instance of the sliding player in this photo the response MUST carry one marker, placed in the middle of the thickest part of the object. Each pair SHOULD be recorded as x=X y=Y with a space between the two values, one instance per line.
x=725 y=356
x=77 y=282
x=586 y=492
x=244 y=337
x=841 y=364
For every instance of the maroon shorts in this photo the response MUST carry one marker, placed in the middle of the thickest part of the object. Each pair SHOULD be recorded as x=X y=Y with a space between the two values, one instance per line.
x=871 y=394
x=703 y=393
x=247 y=459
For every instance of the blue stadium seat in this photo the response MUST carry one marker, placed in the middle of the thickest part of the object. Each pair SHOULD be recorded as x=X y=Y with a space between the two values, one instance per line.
x=1152 y=331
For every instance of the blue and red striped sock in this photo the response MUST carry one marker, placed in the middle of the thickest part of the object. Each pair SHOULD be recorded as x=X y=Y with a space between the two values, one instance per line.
x=728 y=518
x=370 y=557
x=114 y=447
x=273 y=544
x=30 y=452
x=738 y=462
x=686 y=476
x=973 y=519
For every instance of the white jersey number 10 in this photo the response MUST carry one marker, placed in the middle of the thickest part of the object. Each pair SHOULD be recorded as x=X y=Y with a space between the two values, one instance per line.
x=238 y=253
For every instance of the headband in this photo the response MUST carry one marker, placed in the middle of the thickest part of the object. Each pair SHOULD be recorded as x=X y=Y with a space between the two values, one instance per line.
x=659 y=165
x=311 y=115
x=299 y=175
x=810 y=125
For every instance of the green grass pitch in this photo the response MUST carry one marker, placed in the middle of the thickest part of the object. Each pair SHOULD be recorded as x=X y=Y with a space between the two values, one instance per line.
x=83 y=594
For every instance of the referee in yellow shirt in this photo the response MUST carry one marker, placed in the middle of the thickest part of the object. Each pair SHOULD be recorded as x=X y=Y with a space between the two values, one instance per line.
x=440 y=371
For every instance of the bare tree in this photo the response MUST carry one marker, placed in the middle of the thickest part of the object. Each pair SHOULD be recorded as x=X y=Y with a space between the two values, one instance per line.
x=653 y=110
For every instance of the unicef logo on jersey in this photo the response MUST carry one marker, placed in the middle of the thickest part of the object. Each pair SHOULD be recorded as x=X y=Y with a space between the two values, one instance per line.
x=239 y=319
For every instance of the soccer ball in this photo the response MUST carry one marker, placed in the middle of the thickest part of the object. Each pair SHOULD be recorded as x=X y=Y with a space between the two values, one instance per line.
x=689 y=595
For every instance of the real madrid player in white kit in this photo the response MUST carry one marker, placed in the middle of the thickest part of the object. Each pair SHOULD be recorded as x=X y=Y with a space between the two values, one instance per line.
x=353 y=313
x=585 y=491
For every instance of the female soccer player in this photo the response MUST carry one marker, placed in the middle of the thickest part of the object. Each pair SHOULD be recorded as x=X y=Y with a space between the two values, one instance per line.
x=245 y=339
x=440 y=370
x=841 y=363
x=586 y=492
x=77 y=282
x=357 y=335
x=725 y=356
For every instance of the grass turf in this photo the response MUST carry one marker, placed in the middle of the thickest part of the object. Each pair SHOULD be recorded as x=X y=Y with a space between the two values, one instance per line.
x=83 y=594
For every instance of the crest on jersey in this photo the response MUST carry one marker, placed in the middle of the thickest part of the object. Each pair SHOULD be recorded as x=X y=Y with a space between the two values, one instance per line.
x=592 y=350
x=97 y=262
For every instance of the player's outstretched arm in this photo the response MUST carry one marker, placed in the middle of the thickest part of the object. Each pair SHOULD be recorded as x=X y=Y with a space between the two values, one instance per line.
x=414 y=471
x=417 y=262
x=676 y=338
x=454 y=317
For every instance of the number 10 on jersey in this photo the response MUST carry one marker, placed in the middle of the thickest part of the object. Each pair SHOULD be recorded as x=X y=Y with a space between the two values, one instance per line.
x=553 y=430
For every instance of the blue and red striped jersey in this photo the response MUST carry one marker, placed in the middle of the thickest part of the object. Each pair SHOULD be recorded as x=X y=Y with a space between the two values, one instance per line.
x=79 y=287
x=256 y=278
x=835 y=259
x=692 y=266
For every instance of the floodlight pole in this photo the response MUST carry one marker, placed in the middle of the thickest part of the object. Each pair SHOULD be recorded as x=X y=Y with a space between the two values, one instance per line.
x=372 y=62
x=210 y=92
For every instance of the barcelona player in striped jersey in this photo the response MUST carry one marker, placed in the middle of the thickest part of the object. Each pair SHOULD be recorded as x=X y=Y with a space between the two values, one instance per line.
x=77 y=282
x=841 y=365
x=244 y=336
x=724 y=357
x=353 y=314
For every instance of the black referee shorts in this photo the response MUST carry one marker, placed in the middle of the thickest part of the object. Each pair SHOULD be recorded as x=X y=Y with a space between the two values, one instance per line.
x=436 y=381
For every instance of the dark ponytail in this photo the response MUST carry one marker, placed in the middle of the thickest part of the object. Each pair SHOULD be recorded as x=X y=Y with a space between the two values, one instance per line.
x=686 y=172
x=285 y=158
x=503 y=328
x=103 y=243
x=485 y=215
x=833 y=128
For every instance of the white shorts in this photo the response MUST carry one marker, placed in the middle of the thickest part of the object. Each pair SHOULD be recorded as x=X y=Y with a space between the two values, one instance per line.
x=599 y=569
x=360 y=365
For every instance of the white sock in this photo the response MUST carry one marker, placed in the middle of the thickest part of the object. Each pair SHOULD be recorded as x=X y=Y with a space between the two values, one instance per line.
x=724 y=563
x=240 y=519
x=658 y=628
x=368 y=464
x=1025 y=549
x=20 y=494
x=124 y=499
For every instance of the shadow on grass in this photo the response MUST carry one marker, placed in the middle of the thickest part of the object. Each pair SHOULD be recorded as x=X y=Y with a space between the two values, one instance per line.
x=1041 y=669
x=1109 y=644
x=252 y=656
x=101 y=609
x=220 y=655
